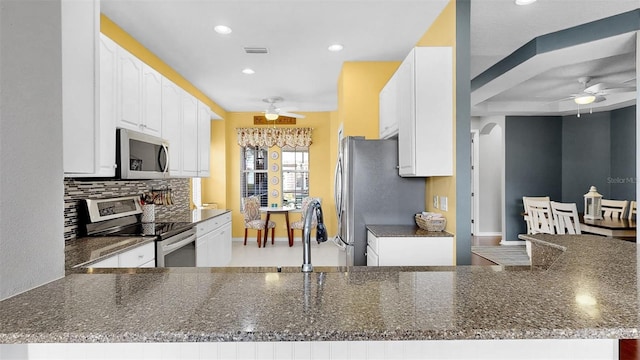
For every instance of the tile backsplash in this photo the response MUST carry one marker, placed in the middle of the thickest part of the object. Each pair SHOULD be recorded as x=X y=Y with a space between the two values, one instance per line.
x=76 y=190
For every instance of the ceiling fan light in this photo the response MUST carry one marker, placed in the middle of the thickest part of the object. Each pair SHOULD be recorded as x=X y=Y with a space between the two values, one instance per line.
x=584 y=99
x=271 y=116
x=524 y=2
x=222 y=29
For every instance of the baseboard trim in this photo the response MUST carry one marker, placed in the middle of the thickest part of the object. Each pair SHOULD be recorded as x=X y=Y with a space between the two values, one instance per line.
x=488 y=234
x=512 y=242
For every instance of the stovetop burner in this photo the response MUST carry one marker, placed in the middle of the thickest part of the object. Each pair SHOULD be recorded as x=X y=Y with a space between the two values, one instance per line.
x=158 y=229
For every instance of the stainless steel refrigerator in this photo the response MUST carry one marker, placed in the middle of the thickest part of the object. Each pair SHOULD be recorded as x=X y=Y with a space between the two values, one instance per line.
x=369 y=191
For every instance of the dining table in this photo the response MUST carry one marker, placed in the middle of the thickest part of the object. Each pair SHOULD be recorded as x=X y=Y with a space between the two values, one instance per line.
x=276 y=210
x=610 y=227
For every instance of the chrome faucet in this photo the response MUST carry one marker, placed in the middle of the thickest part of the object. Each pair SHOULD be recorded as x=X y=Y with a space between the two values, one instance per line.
x=321 y=233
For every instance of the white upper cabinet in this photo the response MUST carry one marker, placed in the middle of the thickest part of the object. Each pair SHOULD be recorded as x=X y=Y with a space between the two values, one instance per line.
x=152 y=101
x=425 y=112
x=172 y=124
x=189 y=135
x=129 y=106
x=80 y=103
x=139 y=105
x=387 y=110
x=204 y=139
x=108 y=94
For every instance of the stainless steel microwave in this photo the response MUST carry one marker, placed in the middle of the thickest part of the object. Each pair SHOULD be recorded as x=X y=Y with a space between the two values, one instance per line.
x=141 y=156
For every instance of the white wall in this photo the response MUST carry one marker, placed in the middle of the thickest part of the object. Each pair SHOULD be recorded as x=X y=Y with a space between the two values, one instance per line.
x=31 y=187
x=490 y=162
x=490 y=170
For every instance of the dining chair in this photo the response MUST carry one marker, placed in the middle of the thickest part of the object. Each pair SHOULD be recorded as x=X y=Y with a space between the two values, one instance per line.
x=614 y=209
x=540 y=217
x=527 y=218
x=565 y=218
x=633 y=205
x=253 y=220
x=299 y=225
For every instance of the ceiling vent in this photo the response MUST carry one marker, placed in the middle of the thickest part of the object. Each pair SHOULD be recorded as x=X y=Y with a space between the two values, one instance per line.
x=256 y=50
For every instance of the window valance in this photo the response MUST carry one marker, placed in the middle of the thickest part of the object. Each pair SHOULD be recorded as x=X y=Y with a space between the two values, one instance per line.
x=274 y=136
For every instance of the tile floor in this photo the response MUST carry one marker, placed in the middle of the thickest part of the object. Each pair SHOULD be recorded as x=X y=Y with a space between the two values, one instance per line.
x=280 y=254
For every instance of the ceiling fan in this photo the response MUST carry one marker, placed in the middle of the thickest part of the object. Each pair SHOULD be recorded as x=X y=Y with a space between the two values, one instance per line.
x=597 y=92
x=272 y=112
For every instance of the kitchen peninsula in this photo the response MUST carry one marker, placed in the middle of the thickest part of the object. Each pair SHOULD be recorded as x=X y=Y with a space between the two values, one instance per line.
x=585 y=287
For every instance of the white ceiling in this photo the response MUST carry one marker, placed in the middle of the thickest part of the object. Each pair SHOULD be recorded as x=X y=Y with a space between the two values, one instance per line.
x=298 y=32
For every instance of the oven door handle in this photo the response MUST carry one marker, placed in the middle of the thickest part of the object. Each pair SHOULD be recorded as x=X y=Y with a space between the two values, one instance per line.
x=166 y=249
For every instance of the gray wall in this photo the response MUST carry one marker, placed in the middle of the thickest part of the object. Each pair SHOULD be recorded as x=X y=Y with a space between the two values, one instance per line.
x=595 y=149
x=533 y=165
x=31 y=192
x=623 y=154
x=585 y=156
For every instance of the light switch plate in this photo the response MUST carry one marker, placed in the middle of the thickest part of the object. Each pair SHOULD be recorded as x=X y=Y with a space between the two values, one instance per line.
x=435 y=201
x=443 y=203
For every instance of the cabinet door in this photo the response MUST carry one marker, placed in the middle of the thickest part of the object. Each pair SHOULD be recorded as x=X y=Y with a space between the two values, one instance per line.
x=434 y=111
x=129 y=90
x=204 y=249
x=189 y=135
x=387 y=108
x=221 y=246
x=372 y=257
x=406 y=117
x=172 y=124
x=204 y=139
x=80 y=118
x=152 y=105
x=107 y=138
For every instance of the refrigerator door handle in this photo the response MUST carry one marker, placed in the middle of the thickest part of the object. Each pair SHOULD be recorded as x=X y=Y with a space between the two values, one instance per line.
x=339 y=243
x=337 y=194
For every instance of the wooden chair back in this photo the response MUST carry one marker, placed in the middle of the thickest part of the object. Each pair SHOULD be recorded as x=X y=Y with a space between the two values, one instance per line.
x=614 y=209
x=540 y=217
x=527 y=218
x=633 y=205
x=565 y=218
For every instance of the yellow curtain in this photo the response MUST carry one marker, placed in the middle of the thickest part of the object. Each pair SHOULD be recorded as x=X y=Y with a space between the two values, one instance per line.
x=274 y=136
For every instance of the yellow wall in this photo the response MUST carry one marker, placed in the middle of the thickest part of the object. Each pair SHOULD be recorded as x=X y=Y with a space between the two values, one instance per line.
x=359 y=88
x=443 y=33
x=320 y=170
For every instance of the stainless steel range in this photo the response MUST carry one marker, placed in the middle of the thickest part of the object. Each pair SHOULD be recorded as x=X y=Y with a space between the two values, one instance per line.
x=175 y=241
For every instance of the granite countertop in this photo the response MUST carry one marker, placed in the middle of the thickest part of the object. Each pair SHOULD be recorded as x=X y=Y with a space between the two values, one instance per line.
x=84 y=250
x=404 y=231
x=588 y=290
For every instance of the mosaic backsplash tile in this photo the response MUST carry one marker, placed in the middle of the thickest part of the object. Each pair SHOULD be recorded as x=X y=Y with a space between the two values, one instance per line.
x=76 y=190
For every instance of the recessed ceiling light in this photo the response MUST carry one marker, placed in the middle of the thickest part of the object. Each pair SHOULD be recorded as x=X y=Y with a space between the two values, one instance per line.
x=335 y=47
x=524 y=2
x=222 y=29
x=248 y=71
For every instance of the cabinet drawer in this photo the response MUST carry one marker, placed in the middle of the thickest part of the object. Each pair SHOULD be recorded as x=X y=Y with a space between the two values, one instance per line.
x=110 y=262
x=372 y=241
x=138 y=256
x=212 y=224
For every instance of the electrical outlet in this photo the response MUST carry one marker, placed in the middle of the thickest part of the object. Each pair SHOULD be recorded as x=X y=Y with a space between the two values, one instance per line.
x=435 y=201
x=443 y=203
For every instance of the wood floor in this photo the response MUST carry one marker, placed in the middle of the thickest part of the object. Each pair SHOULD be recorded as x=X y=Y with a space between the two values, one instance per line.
x=484 y=241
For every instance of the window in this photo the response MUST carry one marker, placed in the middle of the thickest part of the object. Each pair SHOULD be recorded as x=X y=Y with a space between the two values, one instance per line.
x=295 y=175
x=253 y=173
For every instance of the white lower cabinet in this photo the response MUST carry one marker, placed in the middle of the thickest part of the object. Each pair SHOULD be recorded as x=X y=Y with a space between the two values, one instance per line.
x=140 y=256
x=372 y=257
x=213 y=242
x=409 y=250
